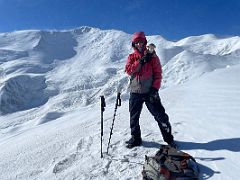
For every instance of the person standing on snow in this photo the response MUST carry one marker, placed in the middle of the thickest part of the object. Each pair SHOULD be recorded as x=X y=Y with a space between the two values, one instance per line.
x=145 y=71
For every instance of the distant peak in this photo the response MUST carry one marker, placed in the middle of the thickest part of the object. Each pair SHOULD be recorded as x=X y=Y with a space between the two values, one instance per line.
x=84 y=29
x=197 y=39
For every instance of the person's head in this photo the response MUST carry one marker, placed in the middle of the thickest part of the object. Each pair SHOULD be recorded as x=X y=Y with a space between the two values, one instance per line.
x=139 y=41
x=151 y=48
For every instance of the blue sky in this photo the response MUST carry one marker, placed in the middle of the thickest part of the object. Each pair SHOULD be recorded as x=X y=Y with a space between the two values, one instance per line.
x=173 y=19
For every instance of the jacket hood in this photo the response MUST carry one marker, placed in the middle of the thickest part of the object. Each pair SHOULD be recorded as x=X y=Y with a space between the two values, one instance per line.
x=139 y=36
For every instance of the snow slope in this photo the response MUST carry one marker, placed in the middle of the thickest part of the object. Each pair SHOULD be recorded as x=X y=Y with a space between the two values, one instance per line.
x=50 y=116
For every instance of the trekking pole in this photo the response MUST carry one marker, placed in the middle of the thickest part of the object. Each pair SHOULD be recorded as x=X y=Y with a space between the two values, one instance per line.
x=118 y=103
x=103 y=105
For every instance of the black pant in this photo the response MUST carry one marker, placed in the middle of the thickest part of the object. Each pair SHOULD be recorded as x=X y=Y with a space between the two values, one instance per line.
x=156 y=109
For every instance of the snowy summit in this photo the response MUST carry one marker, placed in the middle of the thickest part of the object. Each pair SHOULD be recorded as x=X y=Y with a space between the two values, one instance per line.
x=50 y=84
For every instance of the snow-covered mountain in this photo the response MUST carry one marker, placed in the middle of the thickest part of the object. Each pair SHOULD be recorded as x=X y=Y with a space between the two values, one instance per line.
x=50 y=83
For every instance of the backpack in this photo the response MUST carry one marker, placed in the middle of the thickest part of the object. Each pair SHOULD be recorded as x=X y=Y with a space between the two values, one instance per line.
x=170 y=164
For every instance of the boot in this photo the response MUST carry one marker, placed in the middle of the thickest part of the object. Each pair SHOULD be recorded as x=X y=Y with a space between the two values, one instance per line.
x=134 y=141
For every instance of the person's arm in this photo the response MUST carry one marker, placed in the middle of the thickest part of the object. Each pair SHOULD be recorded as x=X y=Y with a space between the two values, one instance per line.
x=157 y=72
x=132 y=65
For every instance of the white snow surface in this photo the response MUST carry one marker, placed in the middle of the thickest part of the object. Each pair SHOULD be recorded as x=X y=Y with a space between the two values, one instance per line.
x=50 y=84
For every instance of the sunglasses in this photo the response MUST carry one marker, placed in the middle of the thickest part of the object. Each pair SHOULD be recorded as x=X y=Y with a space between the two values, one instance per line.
x=139 y=42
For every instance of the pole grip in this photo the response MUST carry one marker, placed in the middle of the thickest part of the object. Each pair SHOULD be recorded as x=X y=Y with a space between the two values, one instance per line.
x=119 y=102
x=103 y=105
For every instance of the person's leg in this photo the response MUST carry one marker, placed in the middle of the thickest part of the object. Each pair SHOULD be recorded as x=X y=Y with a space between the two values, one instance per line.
x=157 y=110
x=135 y=108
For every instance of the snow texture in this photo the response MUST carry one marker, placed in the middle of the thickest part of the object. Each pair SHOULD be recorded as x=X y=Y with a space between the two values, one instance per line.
x=50 y=84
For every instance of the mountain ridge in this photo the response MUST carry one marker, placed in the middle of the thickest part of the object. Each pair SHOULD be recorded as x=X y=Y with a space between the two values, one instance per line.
x=59 y=57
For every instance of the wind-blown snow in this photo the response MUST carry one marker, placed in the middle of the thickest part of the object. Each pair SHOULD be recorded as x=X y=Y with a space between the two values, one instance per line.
x=50 y=83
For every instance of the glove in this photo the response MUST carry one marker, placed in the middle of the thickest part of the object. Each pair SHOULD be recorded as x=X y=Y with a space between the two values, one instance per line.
x=146 y=58
x=153 y=95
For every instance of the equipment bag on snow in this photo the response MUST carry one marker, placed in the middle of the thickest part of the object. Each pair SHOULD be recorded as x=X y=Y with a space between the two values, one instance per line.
x=170 y=164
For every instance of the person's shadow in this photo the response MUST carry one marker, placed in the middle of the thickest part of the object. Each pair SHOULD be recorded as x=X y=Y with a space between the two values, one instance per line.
x=232 y=144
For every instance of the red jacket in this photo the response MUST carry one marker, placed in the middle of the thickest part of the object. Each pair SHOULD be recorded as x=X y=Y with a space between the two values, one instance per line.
x=143 y=77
